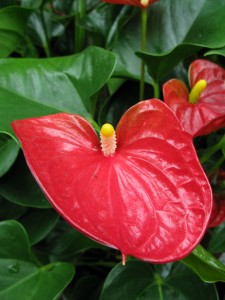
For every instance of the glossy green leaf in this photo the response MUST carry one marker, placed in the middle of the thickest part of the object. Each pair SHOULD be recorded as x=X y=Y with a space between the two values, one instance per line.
x=19 y=187
x=143 y=281
x=38 y=223
x=14 y=242
x=20 y=275
x=169 y=32
x=106 y=21
x=160 y=65
x=37 y=31
x=220 y=51
x=8 y=152
x=13 y=25
x=31 y=3
x=208 y=268
x=34 y=87
x=66 y=241
x=10 y=210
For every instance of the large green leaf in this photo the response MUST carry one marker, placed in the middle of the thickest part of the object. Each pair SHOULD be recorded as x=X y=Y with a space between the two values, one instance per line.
x=8 y=152
x=38 y=223
x=34 y=87
x=19 y=187
x=142 y=281
x=160 y=65
x=14 y=242
x=21 y=277
x=173 y=26
x=10 y=210
x=13 y=25
x=106 y=21
x=205 y=265
x=65 y=242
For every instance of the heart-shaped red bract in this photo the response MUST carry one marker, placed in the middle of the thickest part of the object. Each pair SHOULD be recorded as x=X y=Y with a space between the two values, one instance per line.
x=208 y=114
x=131 y=2
x=150 y=200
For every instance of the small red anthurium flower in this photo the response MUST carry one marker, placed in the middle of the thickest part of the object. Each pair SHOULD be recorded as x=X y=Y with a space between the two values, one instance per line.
x=140 y=189
x=140 y=3
x=201 y=111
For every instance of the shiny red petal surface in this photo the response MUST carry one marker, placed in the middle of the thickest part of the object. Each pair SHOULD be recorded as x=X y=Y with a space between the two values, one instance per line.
x=203 y=117
x=129 y=2
x=150 y=200
x=204 y=69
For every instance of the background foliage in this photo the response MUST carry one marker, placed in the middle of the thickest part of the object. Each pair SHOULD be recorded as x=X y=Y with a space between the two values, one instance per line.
x=83 y=57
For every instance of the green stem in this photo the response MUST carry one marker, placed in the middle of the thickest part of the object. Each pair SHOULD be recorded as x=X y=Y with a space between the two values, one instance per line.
x=212 y=150
x=144 y=19
x=156 y=90
x=217 y=164
x=79 y=32
x=46 y=46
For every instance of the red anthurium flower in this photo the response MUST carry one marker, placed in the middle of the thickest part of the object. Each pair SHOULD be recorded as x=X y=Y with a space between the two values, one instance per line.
x=201 y=111
x=218 y=210
x=141 y=190
x=140 y=3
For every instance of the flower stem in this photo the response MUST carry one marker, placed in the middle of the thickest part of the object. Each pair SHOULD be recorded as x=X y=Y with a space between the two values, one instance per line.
x=79 y=32
x=144 y=19
x=212 y=150
x=46 y=46
x=156 y=90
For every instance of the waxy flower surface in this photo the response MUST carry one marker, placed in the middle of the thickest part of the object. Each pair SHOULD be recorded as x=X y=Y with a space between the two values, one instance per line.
x=140 y=3
x=140 y=190
x=201 y=111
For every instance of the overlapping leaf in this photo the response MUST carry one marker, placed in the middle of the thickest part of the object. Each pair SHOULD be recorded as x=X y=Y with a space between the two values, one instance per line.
x=21 y=275
x=34 y=87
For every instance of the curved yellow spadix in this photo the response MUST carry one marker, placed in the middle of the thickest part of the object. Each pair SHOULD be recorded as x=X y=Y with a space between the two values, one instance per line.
x=196 y=91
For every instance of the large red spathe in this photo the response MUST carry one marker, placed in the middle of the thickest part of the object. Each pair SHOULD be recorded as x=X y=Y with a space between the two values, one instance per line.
x=150 y=200
x=208 y=114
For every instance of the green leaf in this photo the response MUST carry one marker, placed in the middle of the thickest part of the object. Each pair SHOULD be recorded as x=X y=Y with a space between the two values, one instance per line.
x=142 y=281
x=217 y=241
x=160 y=65
x=36 y=30
x=8 y=152
x=14 y=242
x=220 y=51
x=35 y=87
x=31 y=3
x=38 y=223
x=20 y=276
x=106 y=21
x=208 y=268
x=87 y=288
x=65 y=241
x=20 y=187
x=169 y=33
x=13 y=25
x=10 y=210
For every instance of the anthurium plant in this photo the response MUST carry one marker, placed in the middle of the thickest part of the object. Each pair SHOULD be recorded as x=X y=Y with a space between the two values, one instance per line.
x=112 y=150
